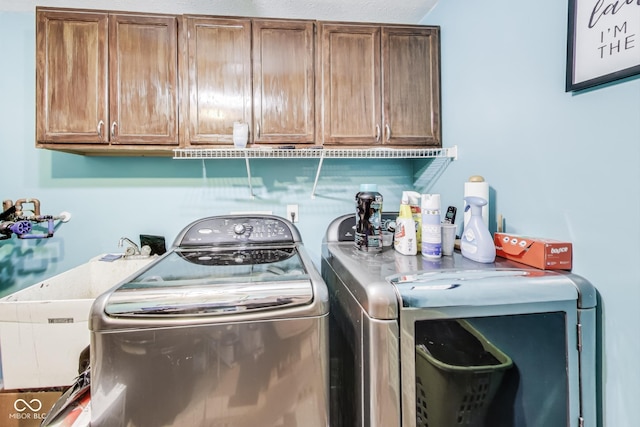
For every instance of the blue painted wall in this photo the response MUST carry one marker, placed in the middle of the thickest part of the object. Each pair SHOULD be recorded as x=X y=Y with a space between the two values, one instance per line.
x=560 y=165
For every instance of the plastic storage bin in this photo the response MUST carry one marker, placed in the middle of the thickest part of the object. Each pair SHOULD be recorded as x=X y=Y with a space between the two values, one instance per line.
x=457 y=374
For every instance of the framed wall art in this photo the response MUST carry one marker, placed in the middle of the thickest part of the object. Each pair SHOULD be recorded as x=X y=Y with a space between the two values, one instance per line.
x=603 y=42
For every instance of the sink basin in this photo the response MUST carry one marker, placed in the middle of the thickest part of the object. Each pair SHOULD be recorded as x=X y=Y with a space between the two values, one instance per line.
x=44 y=327
x=87 y=281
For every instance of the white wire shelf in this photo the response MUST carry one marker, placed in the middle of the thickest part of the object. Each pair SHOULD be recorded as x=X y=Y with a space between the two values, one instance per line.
x=314 y=153
x=434 y=169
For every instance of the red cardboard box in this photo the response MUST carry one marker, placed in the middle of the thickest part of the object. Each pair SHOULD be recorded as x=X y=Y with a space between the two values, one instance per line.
x=545 y=254
x=25 y=408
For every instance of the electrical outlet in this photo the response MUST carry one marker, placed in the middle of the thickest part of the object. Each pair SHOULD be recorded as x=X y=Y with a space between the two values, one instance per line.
x=292 y=213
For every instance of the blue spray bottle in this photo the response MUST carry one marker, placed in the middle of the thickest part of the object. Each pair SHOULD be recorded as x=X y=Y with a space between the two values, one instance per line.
x=476 y=242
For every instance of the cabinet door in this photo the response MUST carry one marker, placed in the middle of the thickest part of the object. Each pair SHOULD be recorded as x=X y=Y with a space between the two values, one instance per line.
x=71 y=77
x=351 y=94
x=219 y=78
x=283 y=81
x=143 y=91
x=411 y=88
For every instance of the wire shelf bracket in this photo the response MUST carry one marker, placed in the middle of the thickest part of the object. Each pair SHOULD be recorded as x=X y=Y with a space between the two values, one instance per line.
x=441 y=157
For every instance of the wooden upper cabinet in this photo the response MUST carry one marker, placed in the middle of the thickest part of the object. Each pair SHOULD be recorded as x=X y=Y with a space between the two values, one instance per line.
x=380 y=85
x=216 y=78
x=107 y=79
x=411 y=86
x=283 y=81
x=143 y=71
x=114 y=83
x=351 y=102
x=71 y=77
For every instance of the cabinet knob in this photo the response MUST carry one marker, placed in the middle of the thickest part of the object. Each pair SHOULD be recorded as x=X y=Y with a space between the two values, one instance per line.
x=257 y=129
x=114 y=125
x=99 y=128
x=388 y=130
x=377 y=133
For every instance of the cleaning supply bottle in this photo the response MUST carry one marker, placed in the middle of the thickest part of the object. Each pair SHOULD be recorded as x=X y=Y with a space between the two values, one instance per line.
x=412 y=198
x=476 y=186
x=405 y=234
x=368 y=237
x=431 y=233
x=476 y=242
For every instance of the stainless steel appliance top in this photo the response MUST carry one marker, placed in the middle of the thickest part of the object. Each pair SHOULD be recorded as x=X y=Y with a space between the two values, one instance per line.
x=220 y=266
x=386 y=282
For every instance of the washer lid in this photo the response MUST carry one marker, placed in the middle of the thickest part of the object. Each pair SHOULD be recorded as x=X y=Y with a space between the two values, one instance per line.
x=210 y=281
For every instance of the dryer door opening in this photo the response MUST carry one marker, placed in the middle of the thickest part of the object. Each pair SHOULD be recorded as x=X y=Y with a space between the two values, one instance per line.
x=499 y=371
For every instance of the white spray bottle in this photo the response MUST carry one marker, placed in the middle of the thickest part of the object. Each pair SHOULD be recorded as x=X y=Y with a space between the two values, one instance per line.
x=476 y=242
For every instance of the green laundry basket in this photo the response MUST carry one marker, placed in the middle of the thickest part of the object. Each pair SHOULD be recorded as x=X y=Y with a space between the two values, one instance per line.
x=455 y=386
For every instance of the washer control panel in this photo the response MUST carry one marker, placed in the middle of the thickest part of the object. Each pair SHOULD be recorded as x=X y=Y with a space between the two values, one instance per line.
x=238 y=230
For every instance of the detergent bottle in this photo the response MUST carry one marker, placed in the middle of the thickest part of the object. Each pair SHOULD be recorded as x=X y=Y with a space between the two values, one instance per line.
x=476 y=242
x=405 y=240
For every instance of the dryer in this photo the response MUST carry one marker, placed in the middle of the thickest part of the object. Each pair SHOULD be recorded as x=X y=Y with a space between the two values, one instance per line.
x=389 y=312
x=228 y=328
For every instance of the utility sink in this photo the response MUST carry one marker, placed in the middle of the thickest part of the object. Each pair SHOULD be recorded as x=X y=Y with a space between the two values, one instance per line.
x=44 y=327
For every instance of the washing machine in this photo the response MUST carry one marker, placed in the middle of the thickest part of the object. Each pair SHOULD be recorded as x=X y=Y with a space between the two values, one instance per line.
x=453 y=342
x=229 y=328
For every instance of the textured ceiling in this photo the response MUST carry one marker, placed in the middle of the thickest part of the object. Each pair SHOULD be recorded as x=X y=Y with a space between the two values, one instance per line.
x=389 y=11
